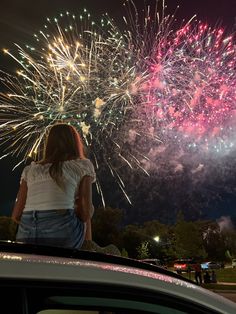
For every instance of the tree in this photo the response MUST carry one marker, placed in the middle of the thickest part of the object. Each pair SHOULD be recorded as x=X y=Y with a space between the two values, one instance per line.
x=230 y=241
x=124 y=253
x=106 y=226
x=143 y=251
x=213 y=241
x=132 y=237
x=8 y=228
x=188 y=240
x=162 y=249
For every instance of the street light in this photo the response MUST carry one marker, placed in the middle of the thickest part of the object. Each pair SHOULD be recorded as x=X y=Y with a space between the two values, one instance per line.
x=157 y=238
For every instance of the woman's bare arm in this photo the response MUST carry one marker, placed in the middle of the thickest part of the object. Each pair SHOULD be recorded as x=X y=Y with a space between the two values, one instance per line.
x=20 y=201
x=84 y=204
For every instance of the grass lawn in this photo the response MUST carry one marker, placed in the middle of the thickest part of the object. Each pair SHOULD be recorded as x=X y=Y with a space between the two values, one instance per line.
x=223 y=275
x=214 y=286
x=226 y=275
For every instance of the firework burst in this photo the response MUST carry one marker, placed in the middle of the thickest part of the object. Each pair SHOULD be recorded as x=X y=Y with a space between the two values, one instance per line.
x=84 y=73
x=193 y=94
x=141 y=97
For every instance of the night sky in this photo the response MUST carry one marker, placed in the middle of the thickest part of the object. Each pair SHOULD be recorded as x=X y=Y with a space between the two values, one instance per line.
x=20 y=19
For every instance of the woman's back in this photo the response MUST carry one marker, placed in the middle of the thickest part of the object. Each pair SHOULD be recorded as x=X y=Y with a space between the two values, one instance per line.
x=44 y=193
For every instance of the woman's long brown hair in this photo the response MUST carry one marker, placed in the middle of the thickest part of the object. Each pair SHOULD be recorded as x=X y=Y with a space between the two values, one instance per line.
x=63 y=142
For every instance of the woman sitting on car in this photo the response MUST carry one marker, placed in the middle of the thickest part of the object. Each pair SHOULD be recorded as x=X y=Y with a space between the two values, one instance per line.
x=54 y=203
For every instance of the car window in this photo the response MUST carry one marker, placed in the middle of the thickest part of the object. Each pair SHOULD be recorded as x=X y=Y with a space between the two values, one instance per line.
x=68 y=298
x=111 y=305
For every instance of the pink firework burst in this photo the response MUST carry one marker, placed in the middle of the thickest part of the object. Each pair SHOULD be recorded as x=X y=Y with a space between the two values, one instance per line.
x=192 y=85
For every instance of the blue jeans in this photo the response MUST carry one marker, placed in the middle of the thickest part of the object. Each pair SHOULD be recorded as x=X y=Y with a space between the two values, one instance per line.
x=61 y=228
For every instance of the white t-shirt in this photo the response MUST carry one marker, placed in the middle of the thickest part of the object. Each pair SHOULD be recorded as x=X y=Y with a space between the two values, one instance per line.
x=44 y=193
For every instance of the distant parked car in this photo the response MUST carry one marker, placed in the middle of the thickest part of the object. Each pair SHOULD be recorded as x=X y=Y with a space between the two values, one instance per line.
x=184 y=265
x=234 y=262
x=210 y=265
x=154 y=261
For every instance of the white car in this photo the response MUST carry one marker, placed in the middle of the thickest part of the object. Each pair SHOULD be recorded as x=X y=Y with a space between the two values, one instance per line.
x=210 y=265
x=47 y=280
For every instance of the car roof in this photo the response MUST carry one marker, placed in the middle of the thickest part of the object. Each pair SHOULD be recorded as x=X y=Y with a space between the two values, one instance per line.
x=18 y=247
x=30 y=262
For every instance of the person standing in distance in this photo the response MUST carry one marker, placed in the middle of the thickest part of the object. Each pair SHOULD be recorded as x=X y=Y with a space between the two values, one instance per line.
x=54 y=202
x=198 y=273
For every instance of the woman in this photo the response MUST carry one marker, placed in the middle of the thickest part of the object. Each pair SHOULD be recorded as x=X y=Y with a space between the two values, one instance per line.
x=54 y=203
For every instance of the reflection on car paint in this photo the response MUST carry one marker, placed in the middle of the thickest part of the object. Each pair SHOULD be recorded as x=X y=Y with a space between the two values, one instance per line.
x=112 y=267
